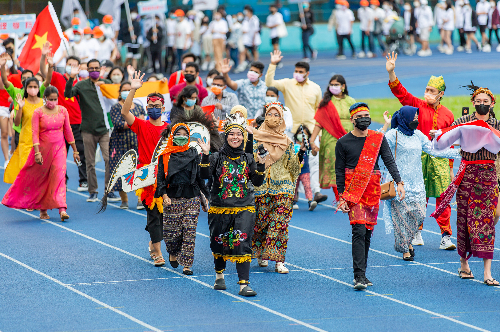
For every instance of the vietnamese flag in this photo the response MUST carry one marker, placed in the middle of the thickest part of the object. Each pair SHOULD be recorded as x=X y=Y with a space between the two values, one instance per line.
x=45 y=29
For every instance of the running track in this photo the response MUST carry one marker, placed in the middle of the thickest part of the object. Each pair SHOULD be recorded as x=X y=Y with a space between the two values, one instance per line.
x=93 y=273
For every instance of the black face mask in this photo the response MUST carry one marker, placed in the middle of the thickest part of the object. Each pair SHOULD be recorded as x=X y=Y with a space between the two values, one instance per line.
x=413 y=125
x=482 y=109
x=362 y=123
x=189 y=78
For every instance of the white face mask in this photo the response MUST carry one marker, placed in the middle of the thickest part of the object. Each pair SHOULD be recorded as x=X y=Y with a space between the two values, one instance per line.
x=209 y=81
x=9 y=64
x=407 y=8
x=116 y=78
x=133 y=16
x=269 y=99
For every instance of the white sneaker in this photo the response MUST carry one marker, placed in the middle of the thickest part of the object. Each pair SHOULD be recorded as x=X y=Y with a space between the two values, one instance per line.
x=428 y=52
x=361 y=54
x=479 y=47
x=460 y=49
x=468 y=50
x=498 y=48
x=449 y=51
x=241 y=67
x=295 y=206
x=262 y=263
x=211 y=65
x=440 y=48
x=487 y=48
x=418 y=241
x=446 y=243
x=5 y=164
x=369 y=55
x=280 y=268
x=204 y=66
x=421 y=53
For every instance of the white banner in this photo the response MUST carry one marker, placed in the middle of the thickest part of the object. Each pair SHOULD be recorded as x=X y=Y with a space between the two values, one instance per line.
x=205 y=4
x=152 y=7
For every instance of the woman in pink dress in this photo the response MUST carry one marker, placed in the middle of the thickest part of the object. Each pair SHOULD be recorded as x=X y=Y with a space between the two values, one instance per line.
x=41 y=183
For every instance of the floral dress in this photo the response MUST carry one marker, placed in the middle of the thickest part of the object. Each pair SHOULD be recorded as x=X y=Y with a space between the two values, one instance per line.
x=121 y=139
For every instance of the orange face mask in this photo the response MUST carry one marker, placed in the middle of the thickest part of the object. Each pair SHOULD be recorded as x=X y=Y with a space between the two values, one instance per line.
x=216 y=90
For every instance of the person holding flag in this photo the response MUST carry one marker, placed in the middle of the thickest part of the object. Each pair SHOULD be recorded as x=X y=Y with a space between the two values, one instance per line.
x=358 y=182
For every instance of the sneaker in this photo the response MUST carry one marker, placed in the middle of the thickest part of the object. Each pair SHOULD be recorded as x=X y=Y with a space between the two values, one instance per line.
x=446 y=243
x=113 y=198
x=498 y=48
x=140 y=206
x=211 y=65
x=368 y=282
x=370 y=55
x=83 y=187
x=279 y=66
x=247 y=292
x=361 y=55
x=487 y=48
x=306 y=59
x=319 y=197
x=295 y=206
x=449 y=51
x=359 y=283
x=479 y=47
x=441 y=49
x=418 y=241
x=280 y=268
x=204 y=66
x=92 y=198
x=460 y=49
x=5 y=164
x=341 y=57
x=312 y=205
x=124 y=206
x=314 y=55
x=220 y=284
x=262 y=263
x=468 y=50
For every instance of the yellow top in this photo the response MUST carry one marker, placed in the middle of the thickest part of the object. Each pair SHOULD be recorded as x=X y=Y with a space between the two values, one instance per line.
x=25 y=145
x=302 y=100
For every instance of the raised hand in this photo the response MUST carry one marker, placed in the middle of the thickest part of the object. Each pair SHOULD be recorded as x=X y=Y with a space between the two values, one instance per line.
x=136 y=81
x=50 y=59
x=103 y=71
x=130 y=71
x=276 y=57
x=390 y=65
x=75 y=70
x=3 y=59
x=225 y=67
x=20 y=101
x=387 y=118
x=205 y=148
x=46 y=48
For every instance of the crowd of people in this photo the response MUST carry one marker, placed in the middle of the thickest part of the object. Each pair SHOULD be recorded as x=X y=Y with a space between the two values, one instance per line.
x=259 y=153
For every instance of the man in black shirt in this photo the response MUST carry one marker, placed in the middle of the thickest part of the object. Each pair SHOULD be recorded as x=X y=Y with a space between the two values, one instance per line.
x=358 y=183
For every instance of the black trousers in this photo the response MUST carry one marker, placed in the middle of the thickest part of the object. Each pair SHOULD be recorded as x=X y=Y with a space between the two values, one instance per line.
x=306 y=34
x=156 y=55
x=340 y=41
x=154 y=223
x=243 y=269
x=170 y=58
x=16 y=138
x=365 y=39
x=361 y=237
x=82 y=170
x=381 y=42
x=462 y=38
x=496 y=35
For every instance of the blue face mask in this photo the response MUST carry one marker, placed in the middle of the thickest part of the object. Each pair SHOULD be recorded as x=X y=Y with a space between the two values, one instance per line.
x=269 y=99
x=68 y=70
x=75 y=27
x=190 y=102
x=124 y=94
x=154 y=112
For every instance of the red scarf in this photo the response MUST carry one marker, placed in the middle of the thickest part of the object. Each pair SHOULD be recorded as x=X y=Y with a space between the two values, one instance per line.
x=329 y=119
x=363 y=171
x=171 y=148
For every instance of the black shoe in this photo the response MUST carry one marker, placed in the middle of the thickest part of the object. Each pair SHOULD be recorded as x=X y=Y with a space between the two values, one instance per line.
x=187 y=272
x=113 y=198
x=312 y=205
x=408 y=259
x=319 y=197
x=247 y=291
x=368 y=282
x=173 y=264
x=220 y=284
x=359 y=283
x=93 y=198
x=412 y=252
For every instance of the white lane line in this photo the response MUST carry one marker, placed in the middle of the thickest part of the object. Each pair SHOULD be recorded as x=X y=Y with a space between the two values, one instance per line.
x=239 y=298
x=97 y=169
x=135 y=320
x=393 y=299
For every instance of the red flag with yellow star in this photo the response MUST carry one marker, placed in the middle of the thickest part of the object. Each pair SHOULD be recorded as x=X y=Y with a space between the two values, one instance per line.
x=45 y=29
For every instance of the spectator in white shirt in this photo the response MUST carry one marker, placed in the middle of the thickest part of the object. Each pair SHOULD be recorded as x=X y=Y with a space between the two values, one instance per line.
x=344 y=21
x=219 y=28
x=482 y=9
x=469 y=27
x=376 y=28
x=107 y=28
x=207 y=45
x=79 y=46
x=459 y=24
x=274 y=20
x=183 y=31
x=365 y=15
x=448 y=26
x=106 y=49
x=170 y=52
x=439 y=12
x=251 y=32
x=425 y=23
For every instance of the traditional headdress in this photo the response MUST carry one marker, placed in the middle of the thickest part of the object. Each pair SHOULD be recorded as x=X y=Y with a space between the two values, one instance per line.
x=475 y=90
x=241 y=109
x=358 y=107
x=235 y=120
x=437 y=82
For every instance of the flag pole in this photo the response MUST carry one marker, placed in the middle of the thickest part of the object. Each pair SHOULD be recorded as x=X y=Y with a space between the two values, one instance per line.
x=129 y=20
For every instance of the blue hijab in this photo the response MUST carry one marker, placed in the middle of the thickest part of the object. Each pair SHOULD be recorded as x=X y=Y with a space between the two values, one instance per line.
x=402 y=118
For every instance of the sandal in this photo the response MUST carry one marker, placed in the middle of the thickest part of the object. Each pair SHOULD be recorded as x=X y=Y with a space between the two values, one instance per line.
x=408 y=259
x=491 y=282
x=64 y=216
x=412 y=252
x=469 y=275
x=44 y=215
x=174 y=264
x=151 y=254
x=187 y=272
x=220 y=284
x=247 y=292
x=159 y=261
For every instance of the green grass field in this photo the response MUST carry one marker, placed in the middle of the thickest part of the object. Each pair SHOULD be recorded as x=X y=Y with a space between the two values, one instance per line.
x=379 y=106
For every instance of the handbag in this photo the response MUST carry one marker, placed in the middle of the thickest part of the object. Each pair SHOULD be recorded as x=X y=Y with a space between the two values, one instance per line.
x=282 y=30
x=387 y=190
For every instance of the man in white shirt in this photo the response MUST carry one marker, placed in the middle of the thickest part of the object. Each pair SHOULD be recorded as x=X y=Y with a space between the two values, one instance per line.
x=425 y=23
x=274 y=20
x=251 y=32
x=344 y=21
x=183 y=31
x=218 y=28
x=106 y=49
x=439 y=13
x=365 y=15
x=171 y=22
x=459 y=24
x=107 y=28
x=376 y=28
x=79 y=47
x=482 y=9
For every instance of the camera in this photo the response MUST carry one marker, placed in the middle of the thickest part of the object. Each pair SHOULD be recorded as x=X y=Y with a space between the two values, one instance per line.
x=262 y=152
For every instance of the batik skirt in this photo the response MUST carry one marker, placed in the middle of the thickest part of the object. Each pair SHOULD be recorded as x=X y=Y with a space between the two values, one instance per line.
x=436 y=173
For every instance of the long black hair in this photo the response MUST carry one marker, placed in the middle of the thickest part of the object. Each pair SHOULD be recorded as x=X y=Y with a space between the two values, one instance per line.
x=28 y=81
x=186 y=94
x=327 y=96
x=50 y=90
x=299 y=131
